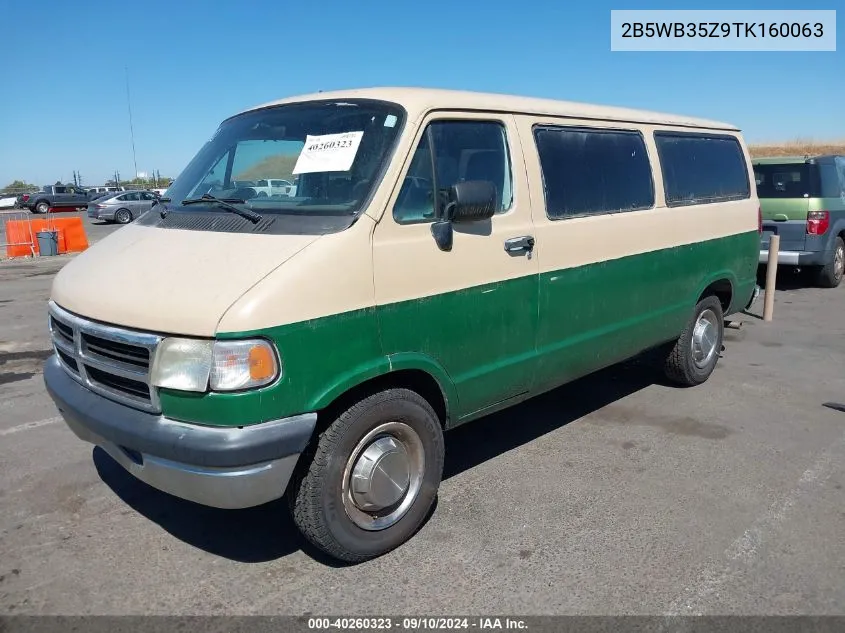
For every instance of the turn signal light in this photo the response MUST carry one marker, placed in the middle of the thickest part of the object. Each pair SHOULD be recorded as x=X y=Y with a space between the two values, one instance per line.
x=818 y=222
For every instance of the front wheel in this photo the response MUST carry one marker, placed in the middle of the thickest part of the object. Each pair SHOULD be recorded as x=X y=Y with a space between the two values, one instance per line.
x=697 y=350
x=830 y=275
x=373 y=477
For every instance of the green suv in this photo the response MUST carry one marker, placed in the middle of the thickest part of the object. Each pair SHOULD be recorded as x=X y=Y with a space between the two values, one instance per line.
x=802 y=200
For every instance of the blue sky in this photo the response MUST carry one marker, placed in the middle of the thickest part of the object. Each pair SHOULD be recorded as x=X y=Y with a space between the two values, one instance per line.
x=191 y=64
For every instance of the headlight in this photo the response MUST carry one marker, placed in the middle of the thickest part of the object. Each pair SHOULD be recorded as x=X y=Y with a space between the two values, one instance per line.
x=243 y=365
x=193 y=364
x=182 y=363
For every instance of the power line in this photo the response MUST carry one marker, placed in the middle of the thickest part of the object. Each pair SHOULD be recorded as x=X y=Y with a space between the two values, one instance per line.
x=131 y=131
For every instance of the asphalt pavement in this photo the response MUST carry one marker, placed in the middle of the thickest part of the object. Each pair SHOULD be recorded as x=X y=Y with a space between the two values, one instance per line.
x=616 y=494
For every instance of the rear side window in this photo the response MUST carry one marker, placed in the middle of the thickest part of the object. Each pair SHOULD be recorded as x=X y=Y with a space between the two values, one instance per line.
x=701 y=169
x=590 y=171
x=829 y=180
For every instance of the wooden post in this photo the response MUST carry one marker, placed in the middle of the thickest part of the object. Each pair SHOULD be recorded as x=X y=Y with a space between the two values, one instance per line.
x=771 y=277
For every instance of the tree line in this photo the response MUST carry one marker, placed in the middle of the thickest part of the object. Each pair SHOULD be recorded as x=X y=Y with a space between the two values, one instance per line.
x=21 y=186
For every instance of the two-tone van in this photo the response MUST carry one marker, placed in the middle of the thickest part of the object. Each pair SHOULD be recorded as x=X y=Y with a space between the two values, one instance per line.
x=446 y=254
x=803 y=201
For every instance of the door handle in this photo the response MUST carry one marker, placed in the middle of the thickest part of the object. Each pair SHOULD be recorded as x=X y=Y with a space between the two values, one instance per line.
x=517 y=244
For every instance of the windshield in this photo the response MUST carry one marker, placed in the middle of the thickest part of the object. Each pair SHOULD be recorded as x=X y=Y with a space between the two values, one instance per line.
x=308 y=158
x=787 y=180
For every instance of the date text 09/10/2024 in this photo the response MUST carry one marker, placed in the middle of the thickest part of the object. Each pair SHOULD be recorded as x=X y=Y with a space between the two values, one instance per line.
x=416 y=623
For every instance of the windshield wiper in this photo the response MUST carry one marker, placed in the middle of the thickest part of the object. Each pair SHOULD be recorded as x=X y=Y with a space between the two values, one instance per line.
x=226 y=203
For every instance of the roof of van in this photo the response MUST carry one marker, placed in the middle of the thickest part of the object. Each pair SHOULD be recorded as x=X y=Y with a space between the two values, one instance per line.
x=419 y=100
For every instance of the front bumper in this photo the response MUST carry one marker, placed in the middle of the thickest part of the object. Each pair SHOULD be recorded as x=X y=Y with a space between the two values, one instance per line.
x=797 y=258
x=222 y=467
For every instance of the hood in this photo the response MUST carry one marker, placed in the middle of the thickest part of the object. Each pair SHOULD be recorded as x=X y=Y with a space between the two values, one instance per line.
x=169 y=281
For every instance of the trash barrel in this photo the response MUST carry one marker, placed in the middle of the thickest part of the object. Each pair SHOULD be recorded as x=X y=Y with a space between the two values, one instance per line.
x=48 y=242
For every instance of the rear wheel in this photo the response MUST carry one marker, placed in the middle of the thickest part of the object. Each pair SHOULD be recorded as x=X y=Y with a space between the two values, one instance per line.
x=372 y=478
x=123 y=216
x=42 y=207
x=830 y=275
x=697 y=350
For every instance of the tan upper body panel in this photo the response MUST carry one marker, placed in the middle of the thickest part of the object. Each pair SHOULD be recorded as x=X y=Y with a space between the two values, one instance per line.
x=418 y=101
x=168 y=280
x=200 y=283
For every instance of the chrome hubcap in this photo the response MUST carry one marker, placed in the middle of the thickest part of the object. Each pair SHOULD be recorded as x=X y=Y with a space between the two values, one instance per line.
x=839 y=262
x=383 y=476
x=705 y=338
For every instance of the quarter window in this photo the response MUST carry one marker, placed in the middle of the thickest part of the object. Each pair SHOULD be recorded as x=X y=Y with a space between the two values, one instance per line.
x=593 y=171
x=463 y=151
x=701 y=168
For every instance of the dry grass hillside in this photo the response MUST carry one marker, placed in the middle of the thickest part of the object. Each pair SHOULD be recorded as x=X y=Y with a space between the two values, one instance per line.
x=270 y=167
x=798 y=148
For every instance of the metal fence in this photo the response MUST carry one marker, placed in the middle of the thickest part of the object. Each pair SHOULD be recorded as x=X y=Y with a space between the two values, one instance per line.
x=17 y=238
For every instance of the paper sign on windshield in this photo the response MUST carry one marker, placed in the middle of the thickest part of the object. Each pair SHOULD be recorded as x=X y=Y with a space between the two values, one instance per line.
x=328 y=152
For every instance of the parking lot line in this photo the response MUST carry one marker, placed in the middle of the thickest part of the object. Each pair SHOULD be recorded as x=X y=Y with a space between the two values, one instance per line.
x=743 y=550
x=30 y=425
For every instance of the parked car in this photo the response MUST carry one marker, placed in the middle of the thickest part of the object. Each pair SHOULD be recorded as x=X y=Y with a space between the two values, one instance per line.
x=448 y=255
x=121 y=207
x=273 y=187
x=54 y=197
x=100 y=191
x=803 y=201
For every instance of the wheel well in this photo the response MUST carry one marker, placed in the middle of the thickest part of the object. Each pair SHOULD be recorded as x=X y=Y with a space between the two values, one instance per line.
x=415 y=380
x=723 y=290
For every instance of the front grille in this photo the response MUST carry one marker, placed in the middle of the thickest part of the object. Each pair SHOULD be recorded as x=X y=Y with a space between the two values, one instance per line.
x=111 y=361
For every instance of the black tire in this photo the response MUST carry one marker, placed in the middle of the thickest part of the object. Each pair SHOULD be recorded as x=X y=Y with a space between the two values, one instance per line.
x=682 y=367
x=123 y=216
x=830 y=275
x=316 y=493
x=42 y=206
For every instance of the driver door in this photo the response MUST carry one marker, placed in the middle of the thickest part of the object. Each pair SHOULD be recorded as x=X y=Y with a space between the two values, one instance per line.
x=472 y=309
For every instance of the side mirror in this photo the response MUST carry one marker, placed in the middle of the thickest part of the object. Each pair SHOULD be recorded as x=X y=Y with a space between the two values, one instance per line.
x=465 y=202
x=470 y=201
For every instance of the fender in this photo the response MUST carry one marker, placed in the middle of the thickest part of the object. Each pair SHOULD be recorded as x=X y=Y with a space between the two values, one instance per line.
x=720 y=275
x=381 y=367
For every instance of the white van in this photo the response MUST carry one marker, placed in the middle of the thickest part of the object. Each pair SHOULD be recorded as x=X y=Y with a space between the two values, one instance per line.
x=447 y=254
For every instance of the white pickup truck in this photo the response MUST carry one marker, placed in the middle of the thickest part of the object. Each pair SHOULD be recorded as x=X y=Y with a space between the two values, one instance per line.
x=274 y=187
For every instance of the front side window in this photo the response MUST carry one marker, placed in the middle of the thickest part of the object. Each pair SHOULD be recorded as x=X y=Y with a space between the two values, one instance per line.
x=462 y=151
x=337 y=149
x=593 y=171
x=701 y=168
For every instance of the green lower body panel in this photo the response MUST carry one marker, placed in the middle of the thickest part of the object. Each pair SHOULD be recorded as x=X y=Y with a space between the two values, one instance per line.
x=490 y=343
